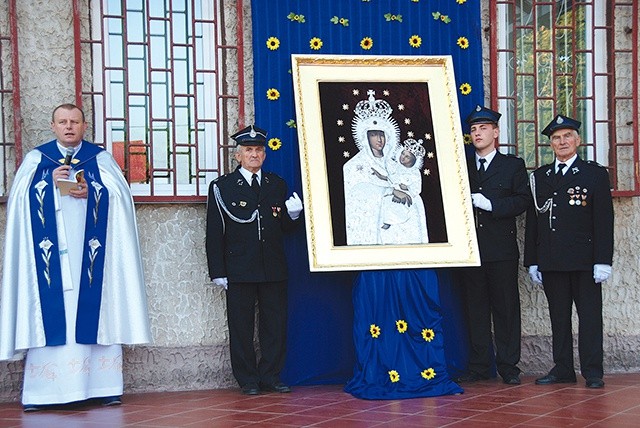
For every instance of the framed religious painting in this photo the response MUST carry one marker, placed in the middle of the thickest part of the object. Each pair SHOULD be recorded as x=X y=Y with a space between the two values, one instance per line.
x=383 y=164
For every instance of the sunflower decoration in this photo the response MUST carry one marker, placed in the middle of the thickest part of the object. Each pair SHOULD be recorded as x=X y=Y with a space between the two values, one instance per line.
x=273 y=43
x=315 y=43
x=274 y=143
x=463 y=42
x=465 y=89
x=428 y=374
x=273 y=94
x=461 y=1
x=374 y=329
x=366 y=43
x=428 y=334
x=466 y=138
x=440 y=17
x=394 y=376
x=415 y=41
x=291 y=123
x=402 y=326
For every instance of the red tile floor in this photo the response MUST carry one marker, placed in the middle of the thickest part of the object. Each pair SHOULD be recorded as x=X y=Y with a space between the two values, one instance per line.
x=483 y=404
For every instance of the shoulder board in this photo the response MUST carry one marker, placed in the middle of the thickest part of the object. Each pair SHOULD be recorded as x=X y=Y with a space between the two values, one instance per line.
x=221 y=178
x=594 y=163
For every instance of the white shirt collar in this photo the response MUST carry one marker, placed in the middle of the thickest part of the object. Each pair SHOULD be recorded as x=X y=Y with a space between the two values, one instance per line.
x=488 y=159
x=63 y=149
x=568 y=163
x=248 y=175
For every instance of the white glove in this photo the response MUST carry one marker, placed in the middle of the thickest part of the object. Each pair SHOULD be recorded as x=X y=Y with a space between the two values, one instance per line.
x=294 y=206
x=601 y=273
x=221 y=282
x=535 y=274
x=481 y=201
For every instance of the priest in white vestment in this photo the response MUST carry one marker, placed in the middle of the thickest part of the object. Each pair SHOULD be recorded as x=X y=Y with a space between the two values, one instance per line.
x=73 y=288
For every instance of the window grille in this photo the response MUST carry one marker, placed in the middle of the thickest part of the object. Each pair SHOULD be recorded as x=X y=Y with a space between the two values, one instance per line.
x=573 y=57
x=160 y=80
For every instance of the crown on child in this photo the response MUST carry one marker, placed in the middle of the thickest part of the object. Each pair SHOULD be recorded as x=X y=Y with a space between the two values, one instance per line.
x=373 y=108
x=415 y=147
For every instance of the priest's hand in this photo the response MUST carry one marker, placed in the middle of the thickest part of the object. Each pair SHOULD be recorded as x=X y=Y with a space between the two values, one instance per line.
x=82 y=191
x=294 y=206
x=221 y=282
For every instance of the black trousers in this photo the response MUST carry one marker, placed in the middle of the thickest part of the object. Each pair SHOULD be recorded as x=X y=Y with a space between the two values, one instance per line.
x=562 y=290
x=271 y=298
x=491 y=293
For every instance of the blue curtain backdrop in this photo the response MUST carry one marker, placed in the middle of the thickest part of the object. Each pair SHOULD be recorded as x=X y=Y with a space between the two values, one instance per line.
x=320 y=341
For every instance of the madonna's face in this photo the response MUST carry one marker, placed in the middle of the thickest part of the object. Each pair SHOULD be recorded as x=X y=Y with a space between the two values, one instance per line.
x=377 y=140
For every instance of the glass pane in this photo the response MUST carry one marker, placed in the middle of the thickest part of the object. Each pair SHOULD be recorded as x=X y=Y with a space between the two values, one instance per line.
x=545 y=74
x=564 y=51
x=525 y=97
x=546 y=113
x=523 y=13
x=544 y=25
x=524 y=49
x=564 y=99
x=527 y=143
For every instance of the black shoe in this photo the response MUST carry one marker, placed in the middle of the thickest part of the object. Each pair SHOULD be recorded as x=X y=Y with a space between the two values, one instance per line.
x=469 y=377
x=595 y=382
x=275 y=387
x=28 y=408
x=116 y=400
x=511 y=379
x=551 y=379
x=250 y=389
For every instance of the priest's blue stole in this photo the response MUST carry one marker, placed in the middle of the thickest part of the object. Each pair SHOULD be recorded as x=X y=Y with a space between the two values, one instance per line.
x=47 y=251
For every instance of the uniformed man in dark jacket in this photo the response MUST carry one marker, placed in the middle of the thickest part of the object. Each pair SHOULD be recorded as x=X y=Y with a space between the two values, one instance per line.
x=569 y=249
x=246 y=217
x=499 y=192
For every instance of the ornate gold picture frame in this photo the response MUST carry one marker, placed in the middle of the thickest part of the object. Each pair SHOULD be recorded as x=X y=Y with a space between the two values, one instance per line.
x=383 y=165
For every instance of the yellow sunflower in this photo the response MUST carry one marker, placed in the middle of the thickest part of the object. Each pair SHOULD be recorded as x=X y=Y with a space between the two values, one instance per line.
x=465 y=89
x=401 y=325
x=467 y=138
x=274 y=143
x=428 y=334
x=273 y=43
x=315 y=43
x=415 y=41
x=463 y=42
x=428 y=374
x=273 y=94
x=366 y=43
x=374 y=329
x=394 y=376
x=461 y=1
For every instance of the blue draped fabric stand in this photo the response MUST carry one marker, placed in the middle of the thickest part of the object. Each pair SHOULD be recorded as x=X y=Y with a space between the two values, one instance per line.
x=398 y=336
x=319 y=345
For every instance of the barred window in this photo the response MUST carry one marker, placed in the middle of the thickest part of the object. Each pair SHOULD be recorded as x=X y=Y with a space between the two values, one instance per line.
x=573 y=57
x=156 y=78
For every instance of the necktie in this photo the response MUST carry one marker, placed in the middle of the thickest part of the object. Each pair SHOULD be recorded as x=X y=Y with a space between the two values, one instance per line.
x=254 y=183
x=481 y=170
x=559 y=174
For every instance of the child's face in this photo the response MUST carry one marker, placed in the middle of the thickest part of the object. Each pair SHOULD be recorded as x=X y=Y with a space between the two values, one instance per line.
x=407 y=158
